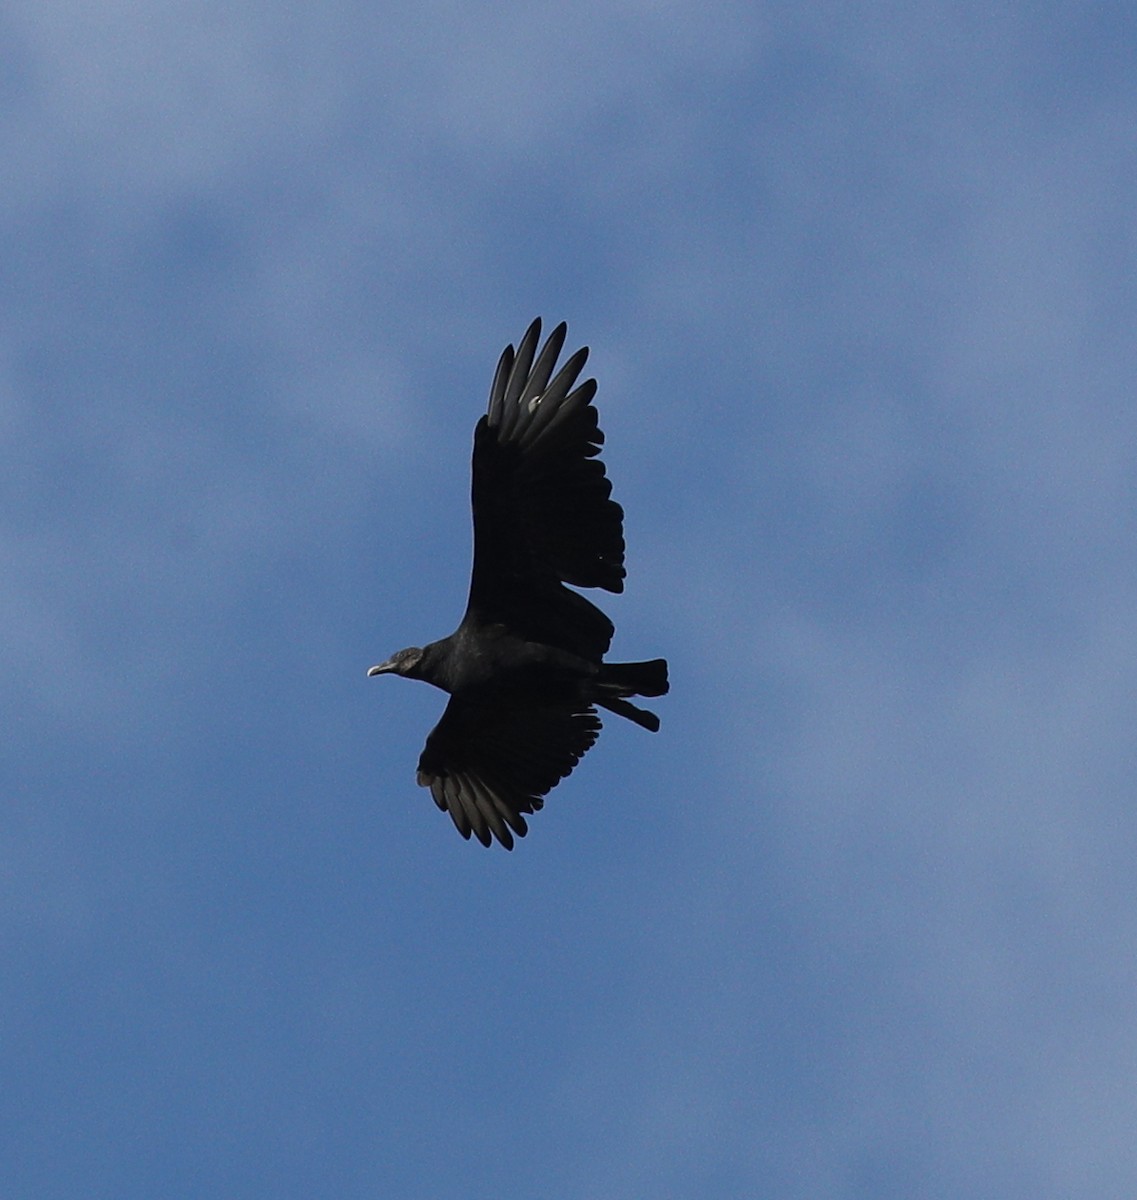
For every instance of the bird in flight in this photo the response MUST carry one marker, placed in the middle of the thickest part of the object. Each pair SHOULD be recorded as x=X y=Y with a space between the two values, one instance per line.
x=525 y=668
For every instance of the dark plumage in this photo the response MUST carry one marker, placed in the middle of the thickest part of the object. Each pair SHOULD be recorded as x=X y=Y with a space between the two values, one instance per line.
x=525 y=668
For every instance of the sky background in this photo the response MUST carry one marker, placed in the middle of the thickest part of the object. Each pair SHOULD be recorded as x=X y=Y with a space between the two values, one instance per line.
x=861 y=286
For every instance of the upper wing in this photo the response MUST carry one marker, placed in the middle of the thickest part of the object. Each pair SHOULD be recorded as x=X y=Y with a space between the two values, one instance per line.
x=487 y=762
x=543 y=512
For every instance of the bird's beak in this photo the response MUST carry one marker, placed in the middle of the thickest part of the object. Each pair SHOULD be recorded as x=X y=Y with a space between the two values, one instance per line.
x=384 y=668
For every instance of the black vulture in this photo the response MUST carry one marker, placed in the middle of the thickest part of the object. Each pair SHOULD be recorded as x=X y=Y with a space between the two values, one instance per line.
x=525 y=667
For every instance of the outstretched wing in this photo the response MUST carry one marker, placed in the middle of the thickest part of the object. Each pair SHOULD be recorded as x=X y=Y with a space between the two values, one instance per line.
x=543 y=512
x=489 y=761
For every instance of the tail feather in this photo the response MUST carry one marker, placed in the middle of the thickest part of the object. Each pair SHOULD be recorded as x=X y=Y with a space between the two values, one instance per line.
x=617 y=681
x=635 y=678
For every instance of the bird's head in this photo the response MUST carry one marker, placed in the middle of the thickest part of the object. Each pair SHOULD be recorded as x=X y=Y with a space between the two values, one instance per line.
x=406 y=663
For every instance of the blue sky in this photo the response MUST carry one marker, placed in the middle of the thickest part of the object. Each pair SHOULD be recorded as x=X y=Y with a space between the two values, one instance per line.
x=860 y=286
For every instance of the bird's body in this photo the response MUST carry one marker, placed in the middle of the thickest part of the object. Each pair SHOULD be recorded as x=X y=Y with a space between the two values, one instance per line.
x=525 y=667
